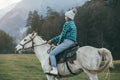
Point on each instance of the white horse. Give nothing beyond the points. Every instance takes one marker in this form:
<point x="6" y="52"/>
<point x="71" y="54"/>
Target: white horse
<point x="88" y="58"/>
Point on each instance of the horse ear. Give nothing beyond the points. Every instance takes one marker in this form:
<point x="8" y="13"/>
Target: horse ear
<point x="33" y="33"/>
<point x="36" y="33"/>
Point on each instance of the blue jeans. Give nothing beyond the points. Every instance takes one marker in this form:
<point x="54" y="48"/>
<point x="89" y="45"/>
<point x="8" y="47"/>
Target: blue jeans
<point x="64" y="45"/>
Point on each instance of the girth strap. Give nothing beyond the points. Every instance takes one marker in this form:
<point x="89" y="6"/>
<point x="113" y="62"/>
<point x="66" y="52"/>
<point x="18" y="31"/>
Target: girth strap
<point x="70" y="69"/>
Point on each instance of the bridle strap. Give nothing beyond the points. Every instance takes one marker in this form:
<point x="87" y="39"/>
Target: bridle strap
<point x="32" y="44"/>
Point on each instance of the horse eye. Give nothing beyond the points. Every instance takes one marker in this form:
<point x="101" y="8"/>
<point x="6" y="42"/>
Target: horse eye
<point x="25" y="39"/>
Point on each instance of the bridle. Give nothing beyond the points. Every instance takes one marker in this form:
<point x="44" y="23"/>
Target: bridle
<point x="33" y="44"/>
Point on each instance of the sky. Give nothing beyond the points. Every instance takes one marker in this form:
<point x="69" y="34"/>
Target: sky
<point x="6" y="3"/>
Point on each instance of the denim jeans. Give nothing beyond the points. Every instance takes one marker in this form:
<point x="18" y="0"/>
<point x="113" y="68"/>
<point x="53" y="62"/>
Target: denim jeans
<point x="64" y="45"/>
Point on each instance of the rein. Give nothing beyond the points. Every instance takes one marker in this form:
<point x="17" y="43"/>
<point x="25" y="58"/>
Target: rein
<point x="40" y="44"/>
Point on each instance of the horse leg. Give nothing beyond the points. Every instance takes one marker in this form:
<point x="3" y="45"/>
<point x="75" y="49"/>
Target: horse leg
<point x="52" y="77"/>
<point x="91" y="76"/>
<point x="49" y="77"/>
<point x="57" y="79"/>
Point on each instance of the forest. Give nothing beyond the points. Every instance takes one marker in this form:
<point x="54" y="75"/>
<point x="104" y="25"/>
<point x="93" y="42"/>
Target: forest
<point x="97" y="21"/>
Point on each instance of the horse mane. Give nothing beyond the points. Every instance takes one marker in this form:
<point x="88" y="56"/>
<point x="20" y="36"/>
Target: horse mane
<point x="40" y="38"/>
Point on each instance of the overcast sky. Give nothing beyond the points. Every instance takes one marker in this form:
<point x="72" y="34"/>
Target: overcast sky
<point x="6" y="3"/>
<point x="40" y="5"/>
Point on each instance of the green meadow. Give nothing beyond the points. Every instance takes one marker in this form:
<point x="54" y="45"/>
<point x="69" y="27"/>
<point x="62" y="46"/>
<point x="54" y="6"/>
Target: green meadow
<point x="28" y="67"/>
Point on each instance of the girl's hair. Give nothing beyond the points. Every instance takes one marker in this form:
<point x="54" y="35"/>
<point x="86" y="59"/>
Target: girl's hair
<point x="69" y="19"/>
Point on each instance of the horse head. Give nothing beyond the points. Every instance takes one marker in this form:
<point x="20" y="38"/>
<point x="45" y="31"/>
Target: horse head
<point x="26" y="43"/>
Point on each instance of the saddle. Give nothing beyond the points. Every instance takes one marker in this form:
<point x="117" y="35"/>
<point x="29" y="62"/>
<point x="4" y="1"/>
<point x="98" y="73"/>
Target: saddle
<point x="68" y="54"/>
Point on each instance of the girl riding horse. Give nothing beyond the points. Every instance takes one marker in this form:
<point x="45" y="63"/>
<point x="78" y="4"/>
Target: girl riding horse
<point x="64" y="40"/>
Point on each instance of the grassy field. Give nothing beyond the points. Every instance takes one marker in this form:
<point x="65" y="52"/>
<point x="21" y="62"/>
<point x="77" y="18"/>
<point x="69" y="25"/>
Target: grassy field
<point x="27" y="67"/>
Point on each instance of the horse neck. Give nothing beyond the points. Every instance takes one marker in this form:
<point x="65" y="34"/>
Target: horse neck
<point x="41" y="51"/>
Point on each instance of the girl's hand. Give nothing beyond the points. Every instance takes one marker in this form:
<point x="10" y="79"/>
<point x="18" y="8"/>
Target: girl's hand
<point x="57" y="44"/>
<point x="49" y="42"/>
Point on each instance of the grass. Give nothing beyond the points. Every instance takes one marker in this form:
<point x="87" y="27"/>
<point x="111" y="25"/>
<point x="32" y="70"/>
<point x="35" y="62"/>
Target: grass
<point x="27" y="67"/>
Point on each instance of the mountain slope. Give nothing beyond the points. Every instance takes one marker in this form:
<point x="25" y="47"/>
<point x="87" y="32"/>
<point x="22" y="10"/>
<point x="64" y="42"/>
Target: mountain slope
<point x="14" y="21"/>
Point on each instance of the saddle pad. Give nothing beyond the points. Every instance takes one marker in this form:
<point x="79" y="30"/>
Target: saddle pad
<point x="67" y="55"/>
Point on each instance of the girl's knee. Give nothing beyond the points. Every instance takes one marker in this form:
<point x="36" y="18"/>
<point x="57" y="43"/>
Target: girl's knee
<point x="52" y="54"/>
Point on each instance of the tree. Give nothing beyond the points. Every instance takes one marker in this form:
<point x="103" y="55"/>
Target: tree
<point x="29" y="20"/>
<point x="47" y="27"/>
<point x="35" y="21"/>
<point x="6" y="43"/>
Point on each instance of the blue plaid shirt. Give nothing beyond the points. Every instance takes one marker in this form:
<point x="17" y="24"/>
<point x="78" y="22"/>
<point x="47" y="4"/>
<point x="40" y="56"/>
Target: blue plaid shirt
<point x="69" y="32"/>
